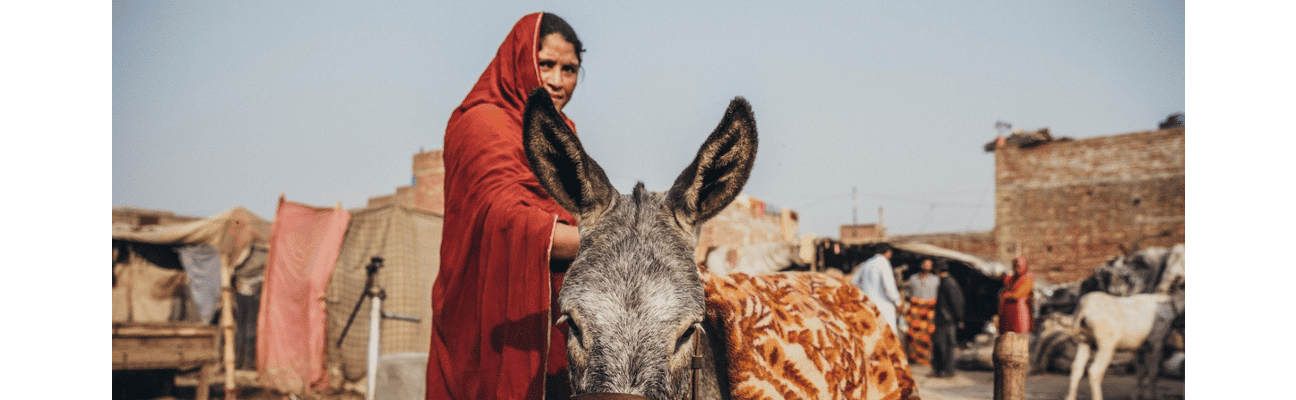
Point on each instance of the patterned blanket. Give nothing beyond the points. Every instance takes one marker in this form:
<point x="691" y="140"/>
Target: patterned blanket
<point x="805" y="336"/>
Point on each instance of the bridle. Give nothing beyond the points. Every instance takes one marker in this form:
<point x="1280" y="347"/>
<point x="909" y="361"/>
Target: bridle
<point x="695" y="363"/>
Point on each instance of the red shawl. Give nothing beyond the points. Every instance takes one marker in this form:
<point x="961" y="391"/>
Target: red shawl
<point x="493" y="334"/>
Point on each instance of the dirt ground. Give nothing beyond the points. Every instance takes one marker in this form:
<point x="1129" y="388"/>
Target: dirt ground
<point x="965" y="385"/>
<point x="979" y="385"/>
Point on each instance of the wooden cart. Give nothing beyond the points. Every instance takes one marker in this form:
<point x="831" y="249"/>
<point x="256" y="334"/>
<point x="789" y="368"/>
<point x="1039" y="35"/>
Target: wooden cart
<point x="176" y="346"/>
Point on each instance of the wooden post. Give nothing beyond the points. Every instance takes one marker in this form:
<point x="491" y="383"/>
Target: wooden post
<point x="203" y="382"/>
<point x="227" y="329"/>
<point x="1011" y="363"/>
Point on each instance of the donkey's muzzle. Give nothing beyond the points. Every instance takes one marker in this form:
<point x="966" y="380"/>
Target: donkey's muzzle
<point x="608" y="396"/>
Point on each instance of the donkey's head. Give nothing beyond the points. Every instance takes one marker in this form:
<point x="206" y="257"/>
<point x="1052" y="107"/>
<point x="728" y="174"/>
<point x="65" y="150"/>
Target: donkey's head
<point x="632" y="299"/>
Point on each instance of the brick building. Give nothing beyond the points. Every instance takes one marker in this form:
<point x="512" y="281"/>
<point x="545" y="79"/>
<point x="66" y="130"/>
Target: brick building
<point x="1068" y="206"/>
<point x="428" y="190"/>
<point x="748" y="221"/>
<point x="862" y="233"/>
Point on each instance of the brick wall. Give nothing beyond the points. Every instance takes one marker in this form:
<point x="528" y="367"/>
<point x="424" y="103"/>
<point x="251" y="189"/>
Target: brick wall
<point x="428" y="191"/>
<point x="1068" y="206"/>
<point x="854" y="234"/>
<point x="429" y="181"/>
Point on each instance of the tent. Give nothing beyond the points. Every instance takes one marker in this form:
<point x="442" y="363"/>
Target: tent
<point x="409" y="242"/>
<point x="980" y="279"/>
<point x="176" y="272"/>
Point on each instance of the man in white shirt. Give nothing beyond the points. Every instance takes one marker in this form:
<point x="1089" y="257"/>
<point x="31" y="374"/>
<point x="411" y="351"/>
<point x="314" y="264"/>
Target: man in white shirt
<point x="876" y="279"/>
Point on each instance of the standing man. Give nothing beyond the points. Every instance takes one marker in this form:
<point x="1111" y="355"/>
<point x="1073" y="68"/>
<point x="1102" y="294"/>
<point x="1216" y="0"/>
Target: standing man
<point x="949" y="317"/>
<point x="921" y="312"/>
<point x="876" y="279"/>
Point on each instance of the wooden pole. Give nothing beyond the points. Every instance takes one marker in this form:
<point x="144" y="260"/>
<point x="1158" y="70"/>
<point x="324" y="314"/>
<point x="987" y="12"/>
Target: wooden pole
<point x="1011" y="360"/>
<point x="203" y="382"/>
<point x="227" y="328"/>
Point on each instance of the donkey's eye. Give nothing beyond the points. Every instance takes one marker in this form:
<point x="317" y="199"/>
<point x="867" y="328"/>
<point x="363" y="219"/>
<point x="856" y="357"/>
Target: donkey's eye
<point x="572" y="330"/>
<point x="684" y="338"/>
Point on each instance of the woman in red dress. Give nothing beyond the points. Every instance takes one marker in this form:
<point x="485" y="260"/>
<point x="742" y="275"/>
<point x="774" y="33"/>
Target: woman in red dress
<point x="505" y="243"/>
<point x="1016" y="299"/>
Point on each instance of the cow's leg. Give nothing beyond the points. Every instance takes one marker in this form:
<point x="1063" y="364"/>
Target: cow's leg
<point x="1078" y="369"/>
<point x="1101" y="360"/>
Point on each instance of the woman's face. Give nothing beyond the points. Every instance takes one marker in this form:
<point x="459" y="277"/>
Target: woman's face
<point x="558" y="68"/>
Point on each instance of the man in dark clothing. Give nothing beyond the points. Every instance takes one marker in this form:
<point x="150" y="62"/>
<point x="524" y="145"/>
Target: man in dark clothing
<point x="949" y="317"/>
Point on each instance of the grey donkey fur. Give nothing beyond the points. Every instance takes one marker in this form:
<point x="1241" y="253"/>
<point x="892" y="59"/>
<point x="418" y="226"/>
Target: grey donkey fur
<point x="632" y="299"/>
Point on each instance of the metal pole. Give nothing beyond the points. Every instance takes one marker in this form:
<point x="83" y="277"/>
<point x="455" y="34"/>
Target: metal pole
<point x="375" y="318"/>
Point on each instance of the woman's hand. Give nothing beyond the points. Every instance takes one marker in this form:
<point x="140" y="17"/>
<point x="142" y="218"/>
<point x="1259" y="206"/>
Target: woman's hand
<point x="566" y="242"/>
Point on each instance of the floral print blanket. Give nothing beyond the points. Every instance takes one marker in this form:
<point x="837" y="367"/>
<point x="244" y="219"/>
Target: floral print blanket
<point x="805" y="336"/>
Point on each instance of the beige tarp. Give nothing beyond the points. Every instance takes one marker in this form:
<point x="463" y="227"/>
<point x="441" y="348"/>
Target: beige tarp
<point x="991" y="269"/>
<point x="409" y="241"/>
<point x="145" y="292"/>
<point x="232" y="233"/>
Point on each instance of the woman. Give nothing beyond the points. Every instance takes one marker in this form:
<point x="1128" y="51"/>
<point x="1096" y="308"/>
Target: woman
<point x="505" y="243"/>
<point x="1016" y="299"/>
<point x="921" y="311"/>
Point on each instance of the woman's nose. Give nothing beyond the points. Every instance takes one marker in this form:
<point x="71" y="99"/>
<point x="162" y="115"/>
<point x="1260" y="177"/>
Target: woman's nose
<point x="553" y="79"/>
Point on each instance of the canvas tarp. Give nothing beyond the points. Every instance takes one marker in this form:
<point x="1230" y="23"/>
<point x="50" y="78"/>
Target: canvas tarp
<point x="232" y="234"/>
<point x="147" y="284"/>
<point x="304" y="245"/>
<point x="409" y="242"/>
<point x="148" y="271"/>
<point x="991" y="269"/>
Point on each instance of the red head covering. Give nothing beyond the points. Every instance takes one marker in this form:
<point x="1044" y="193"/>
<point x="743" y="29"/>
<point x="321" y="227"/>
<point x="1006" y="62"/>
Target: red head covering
<point x="493" y="335"/>
<point x="511" y="75"/>
<point x="1019" y="260"/>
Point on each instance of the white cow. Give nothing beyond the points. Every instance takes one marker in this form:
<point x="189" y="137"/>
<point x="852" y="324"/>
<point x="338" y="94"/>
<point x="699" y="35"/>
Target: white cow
<point x="1109" y="323"/>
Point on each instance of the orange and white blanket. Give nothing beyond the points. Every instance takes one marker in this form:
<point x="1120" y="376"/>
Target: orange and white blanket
<point x="805" y="336"/>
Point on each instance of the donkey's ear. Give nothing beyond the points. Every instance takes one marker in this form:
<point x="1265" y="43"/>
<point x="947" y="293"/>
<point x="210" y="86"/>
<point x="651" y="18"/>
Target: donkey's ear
<point x="559" y="162"/>
<point x="720" y="170"/>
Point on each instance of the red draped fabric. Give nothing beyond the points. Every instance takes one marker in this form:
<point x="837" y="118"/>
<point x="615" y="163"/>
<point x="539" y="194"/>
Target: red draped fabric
<point x="304" y="245"/>
<point x="493" y="334"/>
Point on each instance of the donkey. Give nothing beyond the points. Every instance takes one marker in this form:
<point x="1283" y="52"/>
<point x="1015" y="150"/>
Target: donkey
<point x="1108" y="323"/>
<point x="633" y="300"/>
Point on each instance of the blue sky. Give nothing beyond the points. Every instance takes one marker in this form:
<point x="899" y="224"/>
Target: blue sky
<point x="222" y="104"/>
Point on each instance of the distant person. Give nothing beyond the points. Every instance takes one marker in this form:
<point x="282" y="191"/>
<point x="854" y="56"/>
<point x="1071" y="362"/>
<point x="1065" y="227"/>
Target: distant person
<point x="1016" y="299"/>
<point x="506" y="242"/>
<point x="922" y="308"/>
<point x="876" y="279"/>
<point x="949" y="318"/>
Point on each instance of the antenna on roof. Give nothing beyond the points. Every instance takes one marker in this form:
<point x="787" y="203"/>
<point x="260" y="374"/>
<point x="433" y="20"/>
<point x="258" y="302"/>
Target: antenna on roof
<point x="854" y="221"/>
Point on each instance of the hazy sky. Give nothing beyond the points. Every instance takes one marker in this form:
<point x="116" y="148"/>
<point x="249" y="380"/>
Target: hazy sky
<point x="222" y="104"/>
